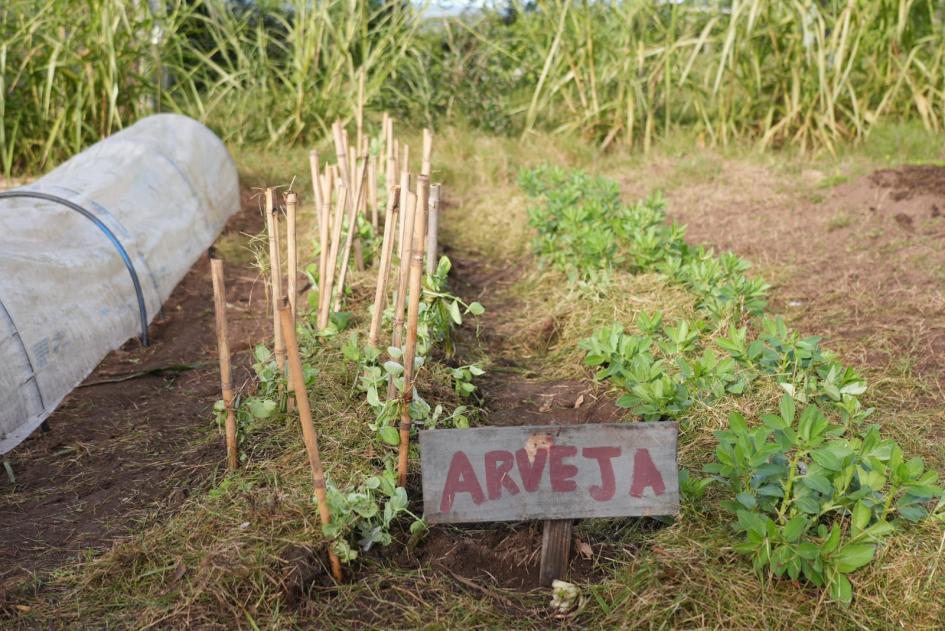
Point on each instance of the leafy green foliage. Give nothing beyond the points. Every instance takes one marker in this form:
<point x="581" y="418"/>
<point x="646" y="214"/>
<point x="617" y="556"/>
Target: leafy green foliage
<point x="367" y="514"/>
<point x="664" y="372"/>
<point x="812" y="500"/>
<point x="584" y="229"/>
<point x="814" y="491"/>
<point x="462" y="379"/>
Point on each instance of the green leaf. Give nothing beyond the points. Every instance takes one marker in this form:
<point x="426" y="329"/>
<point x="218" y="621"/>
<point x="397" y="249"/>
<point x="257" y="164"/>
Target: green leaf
<point x="737" y="422"/>
<point x="389" y="435"/>
<point x="912" y="513"/>
<point x="747" y="500"/>
<point x="794" y="528"/>
<point x="787" y="408"/>
<point x="372" y="398"/>
<point x="818" y="482"/>
<point x="454" y="312"/>
<point x="841" y="590"/>
<point x="853" y="556"/>
<point x="827" y="459"/>
<point x="860" y="518"/>
<point x="476" y="309"/>
<point x="261" y="408"/>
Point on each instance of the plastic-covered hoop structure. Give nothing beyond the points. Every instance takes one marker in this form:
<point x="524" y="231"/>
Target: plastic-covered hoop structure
<point x="90" y="252"/>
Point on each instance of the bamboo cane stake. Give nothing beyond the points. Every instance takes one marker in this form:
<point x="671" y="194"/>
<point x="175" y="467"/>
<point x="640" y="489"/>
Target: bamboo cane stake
<point x="316" y="186"/>
<point x="427" y="154"/>
<point x="352" y="230"/>
<point x="404" y="192"/>
<point x="413" y="314"/>
<point x="325" y="295"/>
<point x="400" y="298"/>
<point x="404" y="168"/>
<point x="396" y="157"/>
<point x="361" y="200"/>
<point x="433" y="222"/>
<point x="372" y="191"/>
<point x="308" y="429"/>
<point x="324" y="222"/>
<point x="383" y="270"/>
<point x="223" y="349"/>
<point x="292" y="264"/>
<point x="275" y="269"/>
<point x="360" y="113"/>
<point x="391" y="173"/>
<point x="292" y="270"/>
<point x="341" y="152"/>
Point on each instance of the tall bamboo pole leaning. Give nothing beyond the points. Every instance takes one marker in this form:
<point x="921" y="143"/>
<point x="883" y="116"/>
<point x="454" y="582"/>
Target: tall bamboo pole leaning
<point x="339" y="136"/>
<point x="308" y="429"/>
<point x="352" y="230"/>
<point x="275" y="269"/>
<point x="413" y="313"/>
<point x="325" y="292"/>
<point x="408" y="201"/>
<point x="223" y="349"/>
<point x="433" y="222"/>
<point x="292" y="271"/>
<point x="383" y="270"/>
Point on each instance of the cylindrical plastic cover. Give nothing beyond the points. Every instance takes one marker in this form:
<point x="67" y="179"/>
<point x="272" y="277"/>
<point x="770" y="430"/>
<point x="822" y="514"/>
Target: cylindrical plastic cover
<point x="164" y="187"/>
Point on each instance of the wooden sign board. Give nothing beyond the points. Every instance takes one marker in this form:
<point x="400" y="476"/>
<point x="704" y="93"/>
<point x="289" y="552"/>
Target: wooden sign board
<point x="549" y="472"/>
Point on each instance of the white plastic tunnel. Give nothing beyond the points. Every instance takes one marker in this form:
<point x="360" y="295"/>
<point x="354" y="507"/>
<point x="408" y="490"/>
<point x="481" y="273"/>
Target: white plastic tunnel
<point x="90" y="252"/>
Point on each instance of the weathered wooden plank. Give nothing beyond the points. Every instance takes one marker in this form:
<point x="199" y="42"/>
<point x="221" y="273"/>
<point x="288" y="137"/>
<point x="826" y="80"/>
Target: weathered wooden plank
<point x="555" y="551"/>
<point x="549" y="472"/>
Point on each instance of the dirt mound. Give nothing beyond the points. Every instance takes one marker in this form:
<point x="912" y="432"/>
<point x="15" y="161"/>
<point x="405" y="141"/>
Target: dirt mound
<point x="909" y="181"/>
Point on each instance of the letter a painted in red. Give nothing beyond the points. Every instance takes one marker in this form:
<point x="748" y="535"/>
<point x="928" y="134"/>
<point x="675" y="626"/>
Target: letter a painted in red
<point x="461" y="478"/>
<point x="645" y="474"/>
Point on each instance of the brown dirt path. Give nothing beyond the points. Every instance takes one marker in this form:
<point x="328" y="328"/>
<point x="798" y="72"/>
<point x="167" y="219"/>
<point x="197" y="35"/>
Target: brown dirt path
<point x="120" y="454"/>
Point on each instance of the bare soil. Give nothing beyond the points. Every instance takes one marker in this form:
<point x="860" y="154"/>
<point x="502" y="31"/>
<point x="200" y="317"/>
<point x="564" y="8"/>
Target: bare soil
<point x="861" y="264"/>
<point x="136" y="438"/>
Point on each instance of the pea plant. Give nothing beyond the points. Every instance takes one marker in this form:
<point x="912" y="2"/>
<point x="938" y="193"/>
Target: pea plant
<point x="363" y="517"/>
<point x="266" y="401"/>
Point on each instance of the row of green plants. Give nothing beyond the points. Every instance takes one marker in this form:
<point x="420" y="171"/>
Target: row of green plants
<point x="812" y="487"/>
<point x="807" y="73"/>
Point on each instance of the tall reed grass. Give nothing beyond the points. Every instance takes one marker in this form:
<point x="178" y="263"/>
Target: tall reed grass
<point x="74" y="72"/>
<point x="805" y="73"/>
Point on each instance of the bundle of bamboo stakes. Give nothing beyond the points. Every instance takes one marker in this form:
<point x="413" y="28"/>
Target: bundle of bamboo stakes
<point x="345" y="195"/>
<point x="406" y="234"/>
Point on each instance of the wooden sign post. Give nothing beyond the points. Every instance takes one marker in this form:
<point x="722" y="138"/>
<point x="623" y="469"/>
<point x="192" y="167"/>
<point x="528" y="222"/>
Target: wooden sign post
<point x="553" y="473"/>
